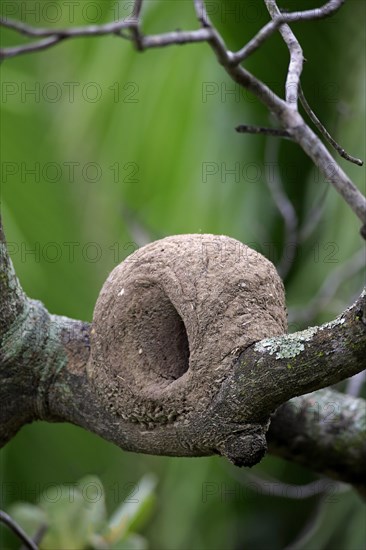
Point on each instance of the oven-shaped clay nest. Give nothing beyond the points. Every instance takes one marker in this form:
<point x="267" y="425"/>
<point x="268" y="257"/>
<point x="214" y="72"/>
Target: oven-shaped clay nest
<point x="168" y="324"/>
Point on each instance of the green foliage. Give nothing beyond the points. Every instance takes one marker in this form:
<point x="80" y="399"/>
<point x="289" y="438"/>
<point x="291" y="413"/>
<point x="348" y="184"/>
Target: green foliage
<point x="75" y="517"/>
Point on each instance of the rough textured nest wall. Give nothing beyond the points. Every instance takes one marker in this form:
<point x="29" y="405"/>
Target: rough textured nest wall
<point x="170" y="319"/>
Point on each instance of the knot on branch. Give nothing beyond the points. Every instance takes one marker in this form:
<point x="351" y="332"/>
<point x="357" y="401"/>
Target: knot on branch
<point x="169" y="323"/>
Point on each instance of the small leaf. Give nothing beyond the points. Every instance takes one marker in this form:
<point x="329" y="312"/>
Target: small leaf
<point x="75" y="513"/>
<point x="29" y="516"/>
<point x="130" y="514"/>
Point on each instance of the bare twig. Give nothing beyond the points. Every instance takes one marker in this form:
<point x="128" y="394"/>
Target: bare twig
<point x="39" y="45"/>
<point x="176" y="37"/>
<point x="307" y="15"/>
<point x="51" y="37"/>
<point x="325" y="132"/>
<point x="136" y="12"/>
<point x="17" y="530"/>
<point x="296" y="56"/>
<point x="55" y="36"/>
<point x="286" y="113"/>
<point x="275" y="132"/>
<point x="70" y="32"/>
<point x="201" y="13"/>
<point x="270" y="486"/>
<point x="38" y="536"/>
<point x="278" y="488"/>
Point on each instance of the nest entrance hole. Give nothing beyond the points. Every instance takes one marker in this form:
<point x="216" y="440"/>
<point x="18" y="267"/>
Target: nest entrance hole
<point x="163" y="352"/>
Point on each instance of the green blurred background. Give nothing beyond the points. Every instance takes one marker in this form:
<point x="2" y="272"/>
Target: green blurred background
<point x="105" y="149"/>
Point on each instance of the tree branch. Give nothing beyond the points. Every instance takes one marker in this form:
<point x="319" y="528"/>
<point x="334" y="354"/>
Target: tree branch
<point x="326" y="429"/>
<point x="285" y="112"/>
<point x="278" y="20"/>
<point x="48" y="362"/>
<point x="18" y="531"/>
<point x="297" y="430"/>
<point x="46" y="368"/>
<point x="13" y="299"/>
<point x="273" y="132"/>
<point x="325" y="132"/>
<point x="296" y="56"/>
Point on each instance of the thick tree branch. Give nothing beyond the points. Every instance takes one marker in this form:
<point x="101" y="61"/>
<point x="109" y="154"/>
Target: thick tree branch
<point x="297" y="430"/>
<point x="45" y="371"/>
<point x="322" y="424"/>
<point x="13" y="299"/>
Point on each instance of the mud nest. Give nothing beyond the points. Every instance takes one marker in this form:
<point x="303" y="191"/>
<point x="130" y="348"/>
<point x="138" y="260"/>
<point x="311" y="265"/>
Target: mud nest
<point x="171" y="318"/>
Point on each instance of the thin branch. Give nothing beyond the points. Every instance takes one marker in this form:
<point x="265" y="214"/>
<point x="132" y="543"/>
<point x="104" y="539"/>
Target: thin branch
<point x="39" y="45"/>
<point x="137" y="7"/>
<point x="139" y="231"/>
<point x="296" y="56"/>
<point x="293" y="17"/>
<point x="240" y="75"/>
<point x="273" y="487"/>
<point x="201" y="13"/>
<point x="285" y="111"/>
<point x="18" y="531"/>
<point x="69" y="32"/>
<point x="280" y="489"/>
<point x="135" y="30"/>
<point x="55" y="36"/>
<point x="325" y="132"/>
<point x="37" y="538"/>
<point x="275" y="132"/>
<point x="287" y="115"/>
<point x="175" y="37"/>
